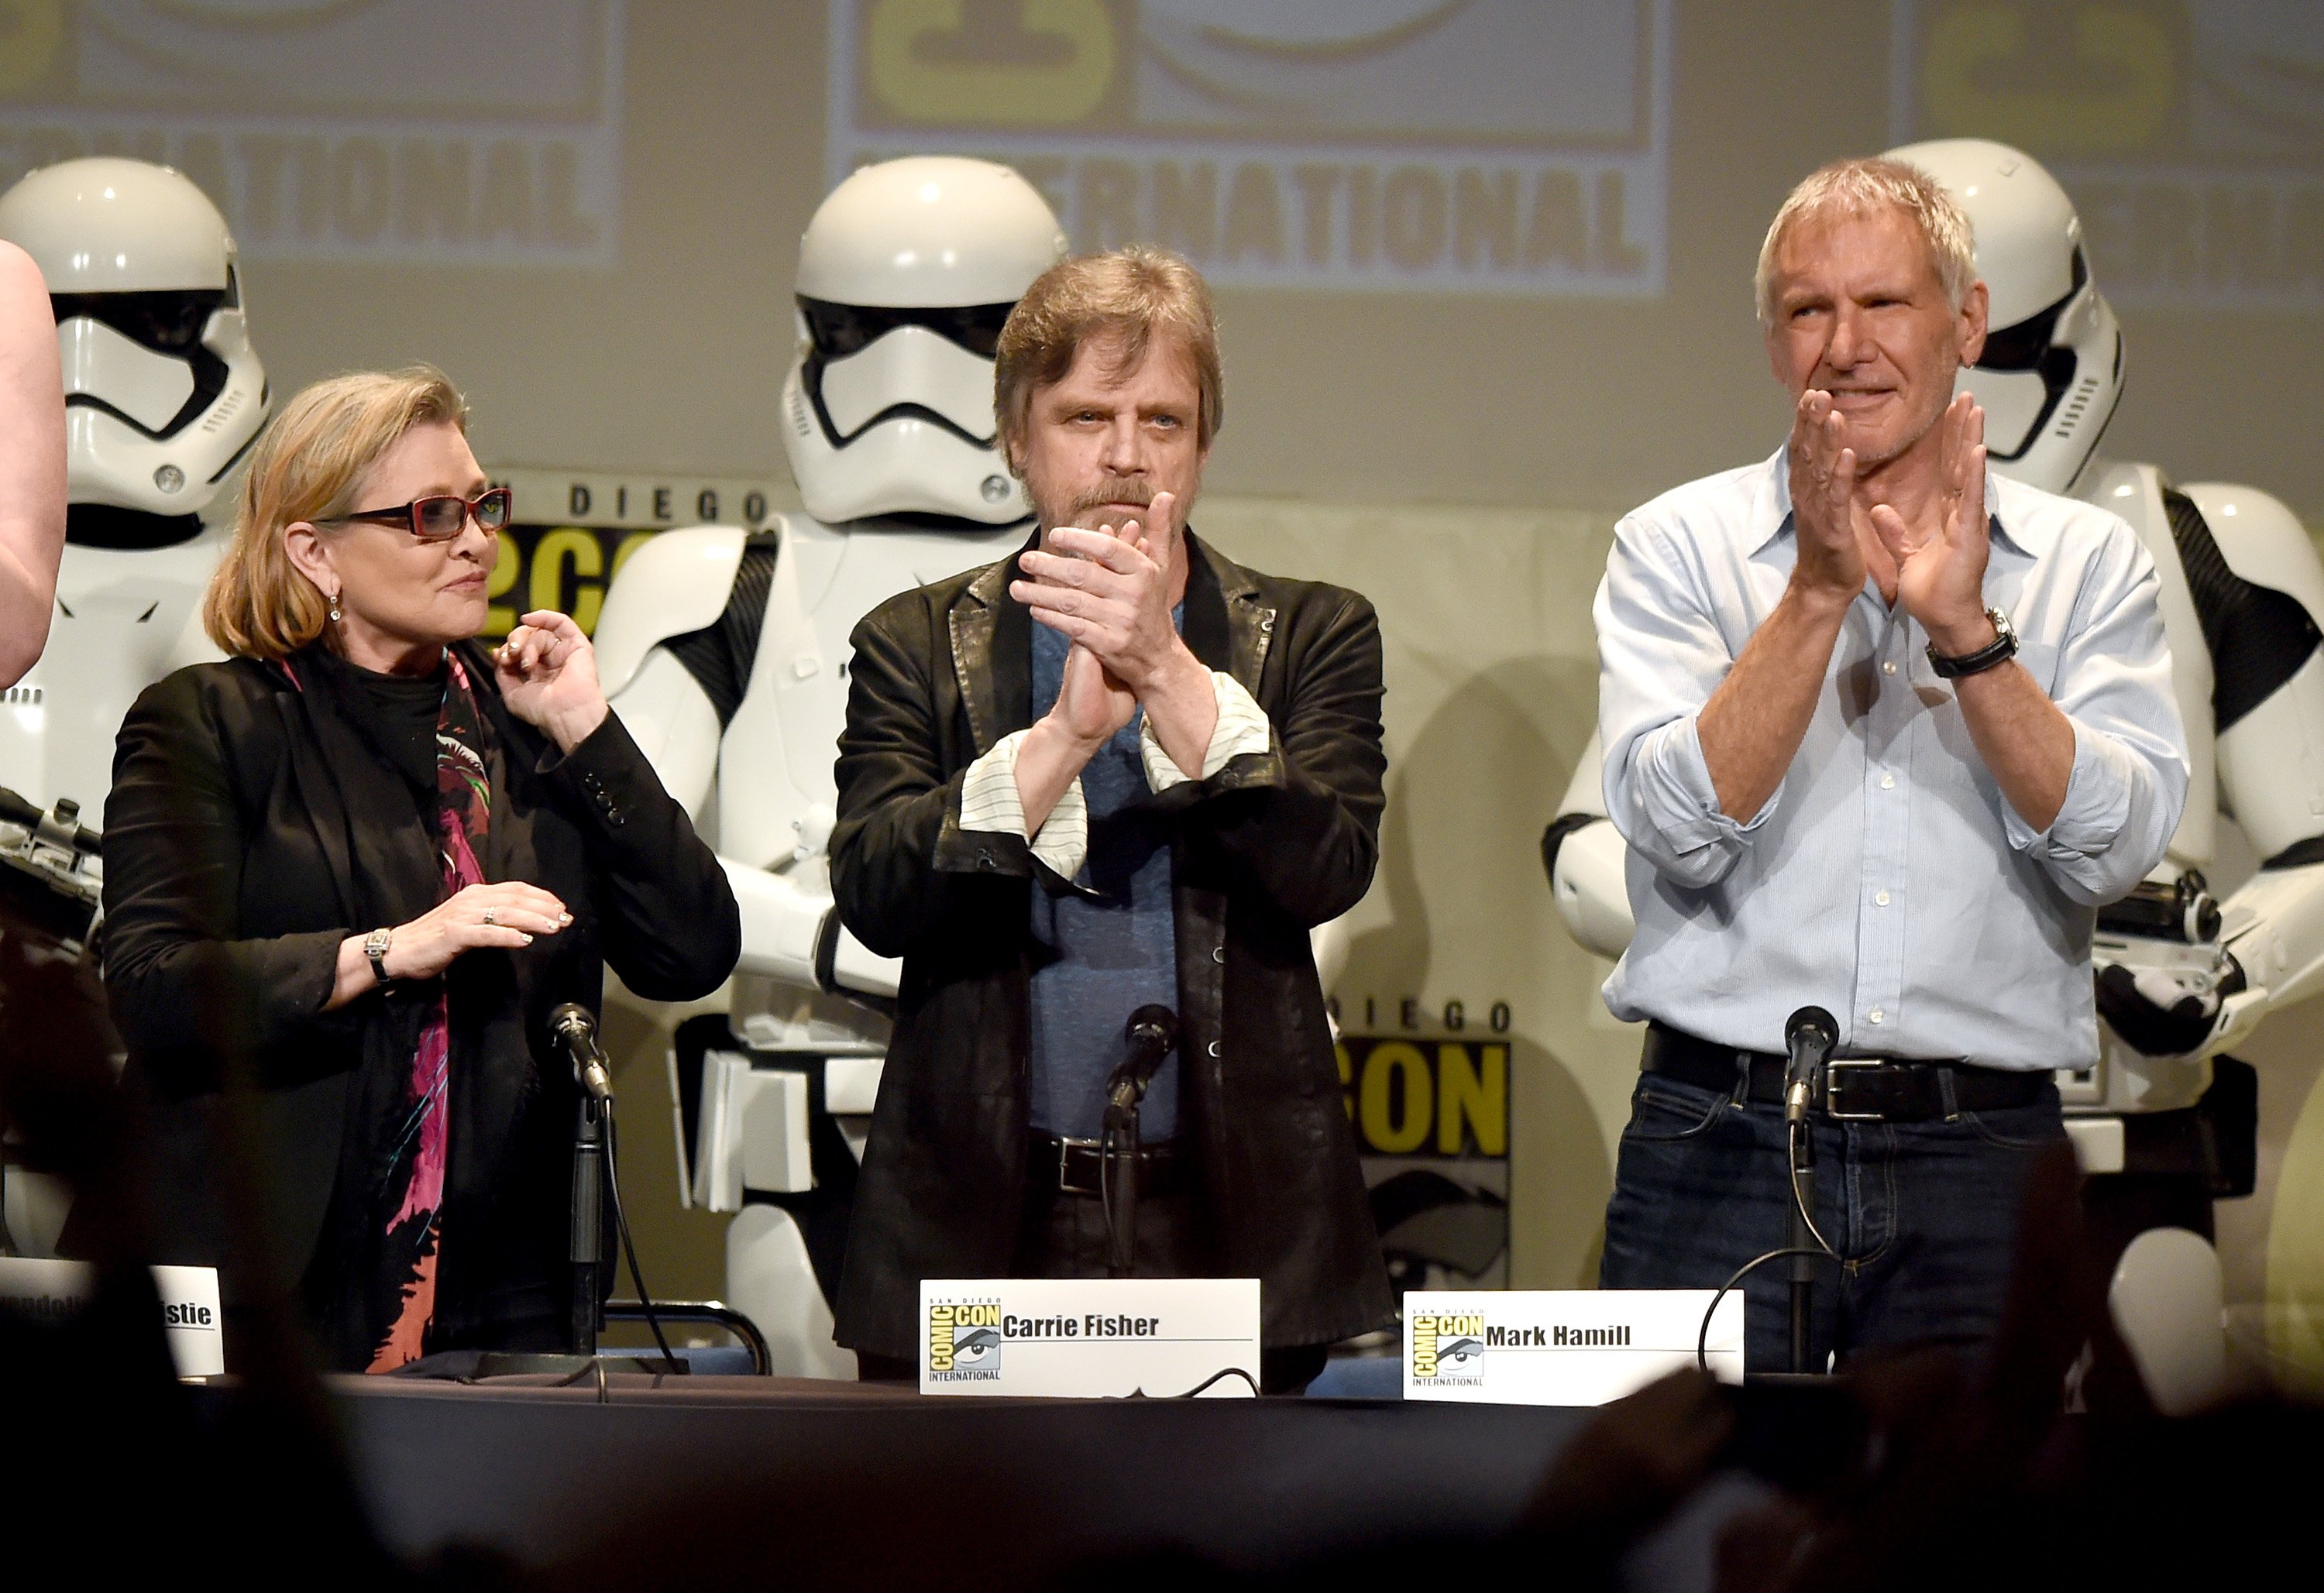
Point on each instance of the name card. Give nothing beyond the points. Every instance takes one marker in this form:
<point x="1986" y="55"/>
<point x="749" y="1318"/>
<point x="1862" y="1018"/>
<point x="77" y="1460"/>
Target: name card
<point x="1561" y="1346"/>
<point x="1097" y="1338"/>
<point x="53" y="1291"/>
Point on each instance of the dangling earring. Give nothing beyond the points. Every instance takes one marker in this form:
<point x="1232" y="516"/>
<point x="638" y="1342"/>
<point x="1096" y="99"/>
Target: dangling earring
<point x="335" y="608"/>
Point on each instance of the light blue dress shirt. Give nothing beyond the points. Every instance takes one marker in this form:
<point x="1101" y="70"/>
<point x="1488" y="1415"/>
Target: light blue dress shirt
<point x="1887" y="879"/>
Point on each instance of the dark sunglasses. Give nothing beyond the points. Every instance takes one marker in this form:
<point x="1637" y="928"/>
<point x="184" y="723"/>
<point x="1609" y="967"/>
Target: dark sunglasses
<point x="442" y="517"/>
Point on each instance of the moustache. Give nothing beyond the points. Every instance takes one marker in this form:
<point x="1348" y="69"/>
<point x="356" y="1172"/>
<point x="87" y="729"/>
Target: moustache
<point x="1113" y="490"/>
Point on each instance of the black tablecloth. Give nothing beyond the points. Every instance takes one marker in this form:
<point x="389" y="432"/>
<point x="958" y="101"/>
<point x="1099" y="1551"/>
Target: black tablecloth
<point x="822" y="1474"/>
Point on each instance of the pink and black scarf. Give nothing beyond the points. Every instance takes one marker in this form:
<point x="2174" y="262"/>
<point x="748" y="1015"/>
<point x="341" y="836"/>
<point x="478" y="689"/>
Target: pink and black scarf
<point x="412" y="1243"/>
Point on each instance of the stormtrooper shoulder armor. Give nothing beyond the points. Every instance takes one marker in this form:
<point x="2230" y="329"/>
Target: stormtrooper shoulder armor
<point x="2262" y="542"/>
<point x="2259" y="591"/>
<point x="700" y="592"/>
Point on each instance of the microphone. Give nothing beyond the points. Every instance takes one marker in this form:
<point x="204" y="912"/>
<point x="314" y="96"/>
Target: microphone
<point x="1152" y="1033"/>
<point x="1809" y="1035"/>
<point x="1152" y="1027"/>
<point x="576" y="1027"/>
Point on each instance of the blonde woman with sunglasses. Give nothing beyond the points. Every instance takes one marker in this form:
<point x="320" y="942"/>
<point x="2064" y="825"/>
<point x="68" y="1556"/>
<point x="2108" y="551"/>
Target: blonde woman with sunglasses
<point x="353" y="868"/>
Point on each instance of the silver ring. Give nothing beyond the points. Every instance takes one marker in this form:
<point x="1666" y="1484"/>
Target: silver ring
<point x="488" y="916"/>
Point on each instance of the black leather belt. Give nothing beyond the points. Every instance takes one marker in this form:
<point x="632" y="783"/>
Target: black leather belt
<point x="1073" y="1167"/>
<point x="1849" y="1089"/>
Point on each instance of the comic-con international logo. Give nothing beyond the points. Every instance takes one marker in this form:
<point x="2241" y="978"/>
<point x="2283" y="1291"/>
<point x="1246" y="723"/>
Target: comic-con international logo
<point x="964" y="1341"/>
<point x="1449" y="1350"/>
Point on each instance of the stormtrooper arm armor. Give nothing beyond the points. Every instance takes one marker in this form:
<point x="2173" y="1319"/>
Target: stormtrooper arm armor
<point x="2259" y="591"/>
<point x="2271" y="756"/>
<point x="1588" y="862"/>
<point x="792" y="933"/>
<point x="674" y="646"/>
<point x="676" y="587"/>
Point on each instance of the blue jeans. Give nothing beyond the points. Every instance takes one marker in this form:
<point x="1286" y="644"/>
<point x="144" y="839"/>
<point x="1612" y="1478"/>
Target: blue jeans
<point x="1925" y="1214"/>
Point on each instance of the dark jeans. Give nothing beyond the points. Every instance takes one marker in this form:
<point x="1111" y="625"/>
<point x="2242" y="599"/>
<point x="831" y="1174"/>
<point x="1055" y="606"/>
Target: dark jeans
<point x="1065" y="1236"/>
<point x="1925" y="1214"/>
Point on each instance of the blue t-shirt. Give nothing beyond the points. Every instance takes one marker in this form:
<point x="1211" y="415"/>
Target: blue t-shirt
<point x="1108" y="957"/>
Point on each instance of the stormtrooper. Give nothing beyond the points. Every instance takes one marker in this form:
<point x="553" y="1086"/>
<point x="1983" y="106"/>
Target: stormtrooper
<point x="2165" y="1122"/>
<point x="726" y="653"/>
<point x="163" y="394"/>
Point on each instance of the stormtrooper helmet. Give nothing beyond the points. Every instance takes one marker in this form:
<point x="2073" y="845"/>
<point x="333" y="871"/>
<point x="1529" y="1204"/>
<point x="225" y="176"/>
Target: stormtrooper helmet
<point x="2051" y="372"/>
<point x="906" y="273"/>
<point x="163" y="392"/>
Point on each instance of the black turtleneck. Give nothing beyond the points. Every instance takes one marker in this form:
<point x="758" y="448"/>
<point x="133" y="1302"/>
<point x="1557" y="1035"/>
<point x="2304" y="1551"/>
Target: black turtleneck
<point x="398" y="715"/>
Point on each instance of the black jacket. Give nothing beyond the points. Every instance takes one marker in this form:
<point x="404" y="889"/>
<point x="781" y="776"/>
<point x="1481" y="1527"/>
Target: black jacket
<point x="1270" y="846"/>
<point x="254" y="824"/>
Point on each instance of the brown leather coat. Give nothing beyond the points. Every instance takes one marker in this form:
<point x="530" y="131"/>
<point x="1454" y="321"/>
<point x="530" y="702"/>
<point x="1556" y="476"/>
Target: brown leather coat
<point x="1269" y="847"/>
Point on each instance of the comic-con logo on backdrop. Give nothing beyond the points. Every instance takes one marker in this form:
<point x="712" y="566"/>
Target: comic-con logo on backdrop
<point x="1514" y="146"/>
<point x="963" y="1340"/>
<point x="1432" y="1121"/>
<point x="2189" y="134"/>
<point x="340" y="129"/>
<point x="574" y="530"/>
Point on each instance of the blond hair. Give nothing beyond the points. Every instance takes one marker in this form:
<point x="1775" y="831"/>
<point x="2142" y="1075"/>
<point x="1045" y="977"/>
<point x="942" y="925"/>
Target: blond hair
<point x="1123" y="297"/>
<point x="1855" y="187"/>
<point x="308" y="467"/>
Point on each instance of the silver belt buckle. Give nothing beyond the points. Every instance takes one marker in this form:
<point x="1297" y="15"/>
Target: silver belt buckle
<point x="1066" y="1148"/>
<point x="1831" y="1091"/>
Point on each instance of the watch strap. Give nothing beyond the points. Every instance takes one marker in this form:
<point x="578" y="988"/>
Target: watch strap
<point x="2000" y="651"/>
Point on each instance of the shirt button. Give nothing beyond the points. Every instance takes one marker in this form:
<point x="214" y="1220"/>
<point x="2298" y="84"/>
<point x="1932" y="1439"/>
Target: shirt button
<point x="1218" y="953"/>
<point x="1876" y="1014"/>
<point x="1214" y="1047"/>
<point x="1887" y="666"/>
<point x="1888" y="782"/>
<point x="1881" y="898"/>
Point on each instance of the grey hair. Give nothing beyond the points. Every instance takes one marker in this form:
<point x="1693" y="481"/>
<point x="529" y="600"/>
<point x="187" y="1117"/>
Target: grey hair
<point x="1855" y="186"/>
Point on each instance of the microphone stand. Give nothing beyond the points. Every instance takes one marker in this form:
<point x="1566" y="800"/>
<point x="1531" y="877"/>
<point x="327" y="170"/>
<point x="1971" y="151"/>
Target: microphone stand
<point x="586" y="1247"/>
<point x="1152" y="1031"/>
<point x="1810" y="1036"/>
<point x="576" y="1030"/>
<point x="1802" y="1241"/>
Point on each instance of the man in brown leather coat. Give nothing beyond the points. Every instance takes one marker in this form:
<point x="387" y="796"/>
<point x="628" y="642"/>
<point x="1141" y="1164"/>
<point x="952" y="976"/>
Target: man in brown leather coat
<point x="1114" y="771"/>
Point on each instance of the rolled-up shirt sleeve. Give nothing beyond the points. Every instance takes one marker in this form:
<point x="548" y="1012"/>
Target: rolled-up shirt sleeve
<point x="1660" y="656"/>
<point x="2129" y="780"/>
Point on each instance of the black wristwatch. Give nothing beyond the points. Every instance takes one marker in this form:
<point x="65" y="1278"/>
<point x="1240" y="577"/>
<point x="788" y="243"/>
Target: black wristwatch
<point x="2000" y="651"/>
<point x="375" y="947"/>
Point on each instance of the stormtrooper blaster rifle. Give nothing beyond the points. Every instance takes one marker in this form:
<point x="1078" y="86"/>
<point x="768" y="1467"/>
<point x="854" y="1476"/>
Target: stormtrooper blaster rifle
<point x="2163" y="974"/>
<point x="52" y="875"/>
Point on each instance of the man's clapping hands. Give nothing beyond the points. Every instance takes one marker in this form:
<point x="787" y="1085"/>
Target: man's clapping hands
<point x="1108" y="592"/>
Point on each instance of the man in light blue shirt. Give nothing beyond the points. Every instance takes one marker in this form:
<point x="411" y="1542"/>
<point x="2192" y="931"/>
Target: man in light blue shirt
<point x="1882" y="732"/>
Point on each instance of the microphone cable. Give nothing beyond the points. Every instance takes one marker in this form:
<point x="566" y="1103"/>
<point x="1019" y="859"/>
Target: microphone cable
<point x="1799" y="1195"/>
<point x="1702" y="1336"/>
<point x="622" y="1225"/>
<point x="1821" y="1247"/>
